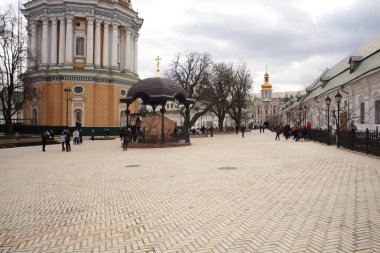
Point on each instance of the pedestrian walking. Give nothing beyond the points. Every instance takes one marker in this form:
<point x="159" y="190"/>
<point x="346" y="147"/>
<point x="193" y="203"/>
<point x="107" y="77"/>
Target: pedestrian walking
<point x="62" y="139"/>
<point x="76" y="137"/>
<point x="67" y="141"/>
<point x="80" y="136"/>
<point x="211" y="131"/>
<point x="92" y="134"/>
<point x="237" y="129"/>
<point x="242" y="131"/>
<point x="44" y="138"/>
<point x="278" y="131"/>
<point x="127" y="137"/>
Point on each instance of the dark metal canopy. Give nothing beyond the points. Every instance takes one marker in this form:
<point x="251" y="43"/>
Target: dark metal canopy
<point x="155" y="91"/>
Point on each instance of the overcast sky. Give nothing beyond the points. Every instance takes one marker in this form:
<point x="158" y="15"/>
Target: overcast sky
<point x="297" y="39"/>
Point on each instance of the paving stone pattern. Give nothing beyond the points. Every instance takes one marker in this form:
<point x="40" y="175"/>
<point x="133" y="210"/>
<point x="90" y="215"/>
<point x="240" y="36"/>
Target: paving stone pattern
<point x="283" y="196"/>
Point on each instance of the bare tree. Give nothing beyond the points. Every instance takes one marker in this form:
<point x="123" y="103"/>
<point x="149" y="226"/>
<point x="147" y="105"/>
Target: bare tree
<point x="240" y="92"/>
<point x="13" y="55"/>
<point x="191" y="71"/>
<point x="219" y="90"/>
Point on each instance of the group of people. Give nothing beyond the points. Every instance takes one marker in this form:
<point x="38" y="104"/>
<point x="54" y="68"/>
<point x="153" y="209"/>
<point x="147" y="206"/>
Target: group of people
<point x="297" y="131"/>
<point x="64" y="139"/>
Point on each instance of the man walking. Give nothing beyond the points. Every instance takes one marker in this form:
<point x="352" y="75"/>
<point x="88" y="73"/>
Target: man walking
<point x="278" y="131"/>
<point x="44" y="139"/>
<point x="67" y="140"/>
<point x="242" y="131"/>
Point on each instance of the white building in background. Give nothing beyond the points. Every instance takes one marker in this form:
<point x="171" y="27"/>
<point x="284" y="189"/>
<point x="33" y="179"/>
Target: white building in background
<point x="357" y="79"/>
<point x="265" y="110"/>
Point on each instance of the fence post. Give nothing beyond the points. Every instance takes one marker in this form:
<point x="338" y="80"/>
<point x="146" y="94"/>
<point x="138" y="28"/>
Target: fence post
<point x="367" y="140"/>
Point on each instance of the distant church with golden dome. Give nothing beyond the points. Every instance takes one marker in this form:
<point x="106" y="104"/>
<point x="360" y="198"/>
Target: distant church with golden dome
<point x="85" y="58"/>
<point x="266" y="108"/>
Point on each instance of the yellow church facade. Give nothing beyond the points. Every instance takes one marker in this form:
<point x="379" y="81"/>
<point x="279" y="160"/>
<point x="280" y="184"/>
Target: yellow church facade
<point x="83" y="60"/>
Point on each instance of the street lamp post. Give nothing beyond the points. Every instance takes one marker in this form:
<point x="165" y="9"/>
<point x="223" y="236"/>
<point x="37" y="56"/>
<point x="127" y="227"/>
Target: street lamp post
<point x="328" y="101"/>
<point x="305" y="110"/>
<point x="67" y="92"/>
<point x="300" y="110"/>
<point x="338" y="99"/>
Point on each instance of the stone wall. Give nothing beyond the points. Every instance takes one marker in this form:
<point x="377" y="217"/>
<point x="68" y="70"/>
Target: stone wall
<point x="152" y="124"/>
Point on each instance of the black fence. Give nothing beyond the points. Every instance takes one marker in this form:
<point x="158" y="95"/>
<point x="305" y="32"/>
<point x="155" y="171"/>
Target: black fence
<point x="37" y="130"/>
<point x="362" y="141"/>
<point x="156" y="139"/>
<point x="367" y="141"/>
<point x="321" y="135"/>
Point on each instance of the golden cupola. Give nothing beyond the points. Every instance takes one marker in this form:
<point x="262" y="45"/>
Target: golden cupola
<point x="266" y="85"/>
<point x="266" y="88"/>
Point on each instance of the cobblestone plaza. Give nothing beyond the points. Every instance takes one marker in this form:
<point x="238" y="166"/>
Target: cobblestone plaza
<point x="221" y="194"/>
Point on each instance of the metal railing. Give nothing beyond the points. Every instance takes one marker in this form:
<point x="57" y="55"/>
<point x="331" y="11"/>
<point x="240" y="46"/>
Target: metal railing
<point x="362" y="141"/>
<point x="320" y="135"/>
<point x="367" y="141"/>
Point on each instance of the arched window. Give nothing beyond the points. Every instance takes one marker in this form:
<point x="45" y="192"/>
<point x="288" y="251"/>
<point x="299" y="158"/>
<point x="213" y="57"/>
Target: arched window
<point x="78" y="118"/>
<point x="377" y="112"/>
<point x="123" y="118"/>
<point x="79" y="46"/>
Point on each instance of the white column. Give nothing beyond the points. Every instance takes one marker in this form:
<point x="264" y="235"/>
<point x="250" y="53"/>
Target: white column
<point x="90" y="43"/>
<point x="135" y="53"/>
<point x="33" y="44"/>
<point x="97" y="43"/>
<point x="45" y="43"/>
<point x="105" y="43"/>
<point x="62" y="40"/>
<point x="127" y="55"/>
<point x="54" y="41"/>
<point x="115" y="27"/>
<point x="69" y="41"/>
<point x="131" y="50"/>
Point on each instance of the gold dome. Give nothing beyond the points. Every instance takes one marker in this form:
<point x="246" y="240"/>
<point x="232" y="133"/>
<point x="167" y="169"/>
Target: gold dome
<point x="266" y="85"/>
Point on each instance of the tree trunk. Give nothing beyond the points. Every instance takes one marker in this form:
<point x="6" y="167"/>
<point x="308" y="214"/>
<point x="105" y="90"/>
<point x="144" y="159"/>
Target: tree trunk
<point x="239" y="117"/>
<point x="220" y="123"/>
<point x="10" y="130"/>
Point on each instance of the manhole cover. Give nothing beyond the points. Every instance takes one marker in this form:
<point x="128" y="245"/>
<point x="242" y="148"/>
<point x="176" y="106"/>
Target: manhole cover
<point x="132" y="166"/>
<point x="227" y="168"/>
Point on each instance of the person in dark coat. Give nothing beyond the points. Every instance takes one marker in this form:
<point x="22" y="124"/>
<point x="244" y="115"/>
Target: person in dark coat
<point x="68" y="139"/>
<point x="242" y="130"/>
<point x="44" y="138"/>
<point x="278" y="131"/>
<point x="127" y="137"/>
<point x="287" y="131"/>
<point x="80" y="136"/>
<point x="92" y="134"/>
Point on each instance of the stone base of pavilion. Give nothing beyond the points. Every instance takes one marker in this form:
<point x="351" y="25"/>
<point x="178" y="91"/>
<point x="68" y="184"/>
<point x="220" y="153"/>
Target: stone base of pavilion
<point x="158" y="145"/>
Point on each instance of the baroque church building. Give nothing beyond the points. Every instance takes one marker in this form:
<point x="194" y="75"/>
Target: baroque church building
<point x="84" y="58"/>
<point x="266" y="108"/>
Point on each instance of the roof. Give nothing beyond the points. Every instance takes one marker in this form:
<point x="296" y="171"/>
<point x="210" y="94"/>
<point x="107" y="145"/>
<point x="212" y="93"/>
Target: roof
<point x="368" y="55"/>
<point x="157" y="90"/>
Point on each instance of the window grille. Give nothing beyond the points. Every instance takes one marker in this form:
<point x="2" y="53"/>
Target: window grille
<point x="79" y="46"/>
<point x="377" y="112"/>
<point x="362" y="111"/>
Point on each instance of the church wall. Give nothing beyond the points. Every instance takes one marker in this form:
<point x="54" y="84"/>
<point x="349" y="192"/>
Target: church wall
<point x="100" y="101"/>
